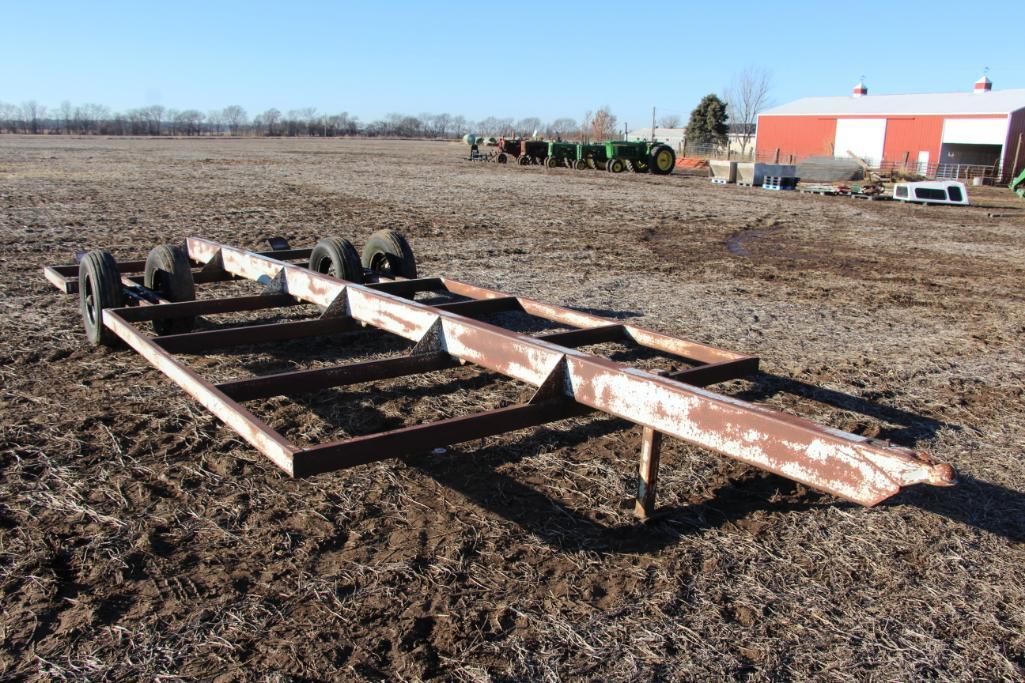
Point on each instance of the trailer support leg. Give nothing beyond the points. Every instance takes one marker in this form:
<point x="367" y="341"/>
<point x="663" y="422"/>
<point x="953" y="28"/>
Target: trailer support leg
<point x="651" y="447"/>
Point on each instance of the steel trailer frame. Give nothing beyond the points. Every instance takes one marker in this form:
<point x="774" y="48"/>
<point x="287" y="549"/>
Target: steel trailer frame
<point x="568" y="381"/>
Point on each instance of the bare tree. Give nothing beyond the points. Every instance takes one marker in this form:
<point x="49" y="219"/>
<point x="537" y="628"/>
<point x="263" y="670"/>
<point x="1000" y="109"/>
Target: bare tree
<point x="269" y="121"/>
<point x="527" y="126"/>
<point x="442" y="124"/>
<point x="564" y="127"/>
<point x="8" y="118"/>
<point x="234" y="117"/>
<point x="670" y="121"/>
<point x="65" y="117"/>
<point x="153" y="116"/>
<point x="600" y="125"/>
<point x="746" y="97"/>
<point x="31" y="113"/>
<point x="187" y="122"/>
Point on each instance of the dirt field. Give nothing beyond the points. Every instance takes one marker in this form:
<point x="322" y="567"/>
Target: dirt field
<point x="139" y="537"/>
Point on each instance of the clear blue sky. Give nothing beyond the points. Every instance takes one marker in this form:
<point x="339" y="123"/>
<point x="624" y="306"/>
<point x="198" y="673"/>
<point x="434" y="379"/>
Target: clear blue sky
<point x="511" y="59"/>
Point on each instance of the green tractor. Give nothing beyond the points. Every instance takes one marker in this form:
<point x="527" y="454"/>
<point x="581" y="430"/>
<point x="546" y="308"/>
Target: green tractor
<point x="590" y="156"/>
<point x="640" y="157"/>
<point x="561" y="154"/>
<point x="1018" y="184"/>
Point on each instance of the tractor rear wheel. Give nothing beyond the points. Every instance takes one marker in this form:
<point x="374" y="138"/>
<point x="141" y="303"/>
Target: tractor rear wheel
<point x="388" y="253"/>
<point x="616" y="166"/>
<point x="638" y="166"/>
<point x="662" y="160"/>
<point x="551" y="162"/>
<point x="501" y="158"/>
<point x="169" y="274"/>
<point x="524" y="161"/>
<point x="580" y="164"/>
<point x="99" y="287"/>
<point x="335" y="256"/>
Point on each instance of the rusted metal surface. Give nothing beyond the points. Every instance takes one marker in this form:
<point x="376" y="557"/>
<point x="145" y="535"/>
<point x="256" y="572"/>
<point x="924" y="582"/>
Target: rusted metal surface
<point x="300" y="381"/>
<point x="248" y="426"/>
<point x="846" y="465"/>
<point x="197" y="342"/>
<point x="647" y="472"/>
<point x="569" y="381"/>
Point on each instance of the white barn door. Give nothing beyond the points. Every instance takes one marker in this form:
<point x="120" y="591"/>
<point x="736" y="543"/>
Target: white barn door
<point x="864" y="137"/>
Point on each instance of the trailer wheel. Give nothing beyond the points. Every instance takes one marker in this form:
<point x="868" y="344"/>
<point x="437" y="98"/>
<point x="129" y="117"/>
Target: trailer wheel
<point x="616" y="166"/>
<point x="169" y="274"/>
<point x="335" y="256"/>
<point x="388" y="253"/>
<point x="99" y="287"/>
<point x="663" y="159"/>
<point x="502" y="158"/>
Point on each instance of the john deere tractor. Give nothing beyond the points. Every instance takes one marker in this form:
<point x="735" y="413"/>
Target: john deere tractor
<point x="561" y="154"/>
<point x="640" y="157"/>
<point x="590" y="156"/>
<point x="1018" y="184"/>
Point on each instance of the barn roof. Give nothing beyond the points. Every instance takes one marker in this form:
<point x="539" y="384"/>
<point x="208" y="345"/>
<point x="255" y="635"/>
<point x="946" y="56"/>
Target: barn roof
<point x="994" y="102"/>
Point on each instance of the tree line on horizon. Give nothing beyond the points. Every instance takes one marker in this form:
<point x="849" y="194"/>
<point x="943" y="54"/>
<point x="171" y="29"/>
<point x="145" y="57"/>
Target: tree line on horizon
<point x="740" y="104"/>
<point x="95" y="119"/>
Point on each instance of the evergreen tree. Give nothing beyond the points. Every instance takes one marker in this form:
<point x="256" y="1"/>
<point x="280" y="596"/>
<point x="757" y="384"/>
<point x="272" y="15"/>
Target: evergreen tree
<point x="707" y="123"/>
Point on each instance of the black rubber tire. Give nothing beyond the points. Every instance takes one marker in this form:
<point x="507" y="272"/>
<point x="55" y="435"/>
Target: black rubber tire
<point x="638" y="167"/>
<point x="662" y="161"/>
<point x="169" y="274"/>
<point x="501" y="158"/>
<point x="580" y="164"/>
<point x="550" y="162"/>
<point x="524" y="161"/>
<point x="335" y="256"/>
<point x="388" y="253"/>
<point x="99" y="287"/>
<point x="616" y="166"/>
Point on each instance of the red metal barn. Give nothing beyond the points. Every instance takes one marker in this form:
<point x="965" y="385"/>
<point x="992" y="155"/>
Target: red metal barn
<point x="936" y="133"/>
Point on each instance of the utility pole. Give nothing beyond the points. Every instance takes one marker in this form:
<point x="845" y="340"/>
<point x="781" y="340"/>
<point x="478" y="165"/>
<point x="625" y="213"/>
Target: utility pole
<point x="653" y="124"/>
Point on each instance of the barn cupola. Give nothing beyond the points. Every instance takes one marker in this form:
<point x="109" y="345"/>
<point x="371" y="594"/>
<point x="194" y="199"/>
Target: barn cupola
<point x="983" y="85"/>
<point x="860" y="90"/>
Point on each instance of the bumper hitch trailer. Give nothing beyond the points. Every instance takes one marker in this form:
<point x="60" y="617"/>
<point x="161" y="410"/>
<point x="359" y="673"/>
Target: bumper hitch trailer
<point x="568" y="381"/>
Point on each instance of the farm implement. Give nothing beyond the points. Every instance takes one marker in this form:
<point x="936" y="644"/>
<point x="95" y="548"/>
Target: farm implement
<point x="151" y="306"/>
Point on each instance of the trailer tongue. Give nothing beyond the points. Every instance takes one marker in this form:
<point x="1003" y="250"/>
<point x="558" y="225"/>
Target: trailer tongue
<point x="567" y="381"/>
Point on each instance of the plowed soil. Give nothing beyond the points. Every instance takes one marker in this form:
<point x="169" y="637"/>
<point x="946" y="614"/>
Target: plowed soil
<point x="140" y="538"/>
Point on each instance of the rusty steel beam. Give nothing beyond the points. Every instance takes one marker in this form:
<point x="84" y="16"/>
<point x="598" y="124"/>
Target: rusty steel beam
<point x="647" y="338"/>
<point x="585" y="337"/>
<point x="181" y="309"/>
<point x="301" y="381"/>
<point x="403" y="287"/>
<point x="713" y="373"/>
<point x="475" y="307"/>
<point x="849" y="466"/>
<point x="361" y="450"/>
<point x="257" y="433"/>
<point x="196" y="342"/>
